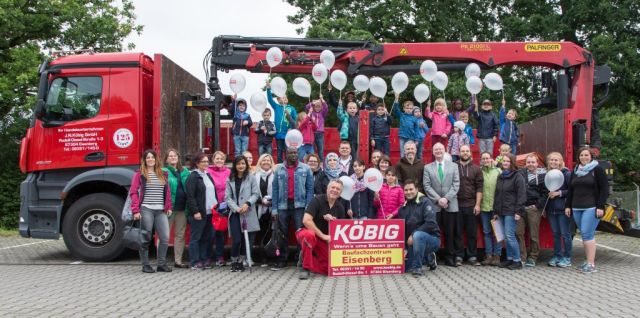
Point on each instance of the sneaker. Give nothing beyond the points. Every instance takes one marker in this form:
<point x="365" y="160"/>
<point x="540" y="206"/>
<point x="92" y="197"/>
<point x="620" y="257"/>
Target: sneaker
<point x="304" y="274"/>
<point x="458" y="262"/>
<point x="197" y="265"/>
<point x="240" y="267"/>
<point x="417" y="272"/>
<point x="505" y="264"/>
<point x="148" y="269"/>
<point x="515" y="265"/>
<point x="495" y="261"/>
<point x="487" y="260"/>
<point x="589" y="268"/>
<point x="582" y="266"/>
<point x="220" y="262"/>
<point x="207" y="264"/>
<point x="530" y="263"/>
<point x="434" y="263"/>
<point x="564" y="262"/>
<point x="474" y="261"/>
<point x="164" y="269"/>
<point x="234" y="267"/>
<point x="279" y="266"/>
<point x="553" y="262"/>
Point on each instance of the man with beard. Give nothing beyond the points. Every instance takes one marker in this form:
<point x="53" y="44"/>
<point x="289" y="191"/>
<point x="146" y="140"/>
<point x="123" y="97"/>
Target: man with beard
<point x="314" y="238"/>
<point x="292" y="188"/>
<point x="409" y="167"/>
<point x="469" y="199"/>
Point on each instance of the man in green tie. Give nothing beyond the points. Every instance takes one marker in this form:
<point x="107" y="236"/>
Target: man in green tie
<point x="441" y="181"/>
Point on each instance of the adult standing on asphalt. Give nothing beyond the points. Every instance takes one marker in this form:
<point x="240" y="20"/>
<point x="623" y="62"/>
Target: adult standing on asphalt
<point x="588" y="192"/>
<point x="469" y="200"/>
<point x="490" y="173"/>
<point x="264" y="180"/>
<point x="177" y="177"/>
<point x="536" y="198"/>
<point x="559" y="221"/>
<point x="313" y="238"/>
<point x="220" y="174"/>
<point x="410" y="167"/>
<point x="509" y="206"/>
<point x="422" y="234"/>
<point x="441" y="184"/>
<point x="201" y="200"/>
<point x="151" y="204"/>
<point x="292" y="191"/>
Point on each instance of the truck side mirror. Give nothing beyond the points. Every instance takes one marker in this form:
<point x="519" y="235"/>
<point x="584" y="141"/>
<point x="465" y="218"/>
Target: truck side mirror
<point x="40" y="110"/>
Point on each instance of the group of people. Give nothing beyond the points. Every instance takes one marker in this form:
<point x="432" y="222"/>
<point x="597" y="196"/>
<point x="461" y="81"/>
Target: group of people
<point x="446" y="195"/>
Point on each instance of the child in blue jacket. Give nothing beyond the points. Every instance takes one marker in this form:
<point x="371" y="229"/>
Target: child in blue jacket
<point x="241" y="125"/>
<point x="421" y="130"/>
<point x="350" y="126"/>
<point x="408" y="121"/>
<point x="285" y="119"/>
<point x="509" y="133"/>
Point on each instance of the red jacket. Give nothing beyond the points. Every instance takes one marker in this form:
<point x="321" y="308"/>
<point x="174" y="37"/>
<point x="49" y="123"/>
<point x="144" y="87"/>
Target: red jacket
<point x="392" y="199"/>
<point x="308" y="127"/>
<point x="138" y="186"/>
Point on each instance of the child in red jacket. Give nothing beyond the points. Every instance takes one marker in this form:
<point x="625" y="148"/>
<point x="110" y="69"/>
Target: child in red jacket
<point x="390" y="198"/>
<point x="307" y="127"/>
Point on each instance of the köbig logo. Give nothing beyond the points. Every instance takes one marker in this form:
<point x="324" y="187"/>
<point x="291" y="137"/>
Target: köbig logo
<point x="367" y="231"/>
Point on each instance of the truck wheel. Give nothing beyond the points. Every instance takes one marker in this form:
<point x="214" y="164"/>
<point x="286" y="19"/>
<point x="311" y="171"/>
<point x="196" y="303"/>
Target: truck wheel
<point x="92" y="228"/>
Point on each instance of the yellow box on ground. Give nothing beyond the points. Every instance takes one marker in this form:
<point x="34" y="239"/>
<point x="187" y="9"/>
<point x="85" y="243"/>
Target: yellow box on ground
<point x="366" y="257"/>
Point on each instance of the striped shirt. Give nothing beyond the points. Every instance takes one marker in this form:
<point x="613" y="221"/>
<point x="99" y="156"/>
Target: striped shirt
<point x="154" y="193"/>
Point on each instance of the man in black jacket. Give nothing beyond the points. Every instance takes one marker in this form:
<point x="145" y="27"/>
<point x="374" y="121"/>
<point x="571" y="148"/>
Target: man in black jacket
<point x="536" y="197"/>
<point x="422" y="233"/>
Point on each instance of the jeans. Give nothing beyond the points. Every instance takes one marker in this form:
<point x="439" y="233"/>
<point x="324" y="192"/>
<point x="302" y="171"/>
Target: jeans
<point x="470" y="228"/>
<point x="423" y="244"/>
<point x="561" y="234"/>
<point x="304" y="150"/>
<point x="262" y="149"/>
<point x="587" y="222"/>
<point x="240" y="144"/>
<point x="486" y="145"/>
<point x="491" y="247"/>
<point x="284" y="217"/>
<point x="382" y="144"/>
<point x="179" y="222"/>
<point x="238" y="244"/>
<point x="281" y="150"/>
<point x="514" y="148"/>
<point x="354" y="149"/>
<point x="217" y="239"/>
<point x="200" y="239"/>
<point x="420" y="149"/>
<point x="513" y="249"/>
<point x="158" y="219"/>
<point x="318" y="141"/>
<point x="402" y="142"/>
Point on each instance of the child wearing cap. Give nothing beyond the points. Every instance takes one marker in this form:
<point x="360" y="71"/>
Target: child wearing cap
<point x="457" y="139"/>
<point x="241" y="124"/>
<point x="488" y="124"/>
<point x="407" y="131"/>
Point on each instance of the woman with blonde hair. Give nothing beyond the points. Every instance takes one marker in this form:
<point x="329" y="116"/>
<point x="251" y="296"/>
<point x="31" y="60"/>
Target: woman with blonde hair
<point x="219" y="173"/>
<point x="560" y="223"/>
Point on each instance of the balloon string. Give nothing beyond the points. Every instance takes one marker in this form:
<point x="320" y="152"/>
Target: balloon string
<point x="444" y="96"/>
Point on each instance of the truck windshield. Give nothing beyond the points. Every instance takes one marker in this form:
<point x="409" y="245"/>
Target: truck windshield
<point x="73" y="98"/>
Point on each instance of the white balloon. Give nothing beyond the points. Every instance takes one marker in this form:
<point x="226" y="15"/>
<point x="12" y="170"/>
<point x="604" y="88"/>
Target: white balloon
<point x="474" y="85"/>
<point x="293" y="138"/>
<point x="421" y="93"/>
<point x="378" y="86"/>
<point x="373" y="179"/>
<point x="348" y="188"/>
<point x="493" y="81"/>
<point x="279" y="86"/>
<point x="302" y="87"/>
<point x="361" y="83"/>
<point x="447" y="157"/>
<point x="399" y="82"/>
<point x="554" y="179"/>
<point x="440" y="81"/>
<point x="319" y="73"/>
<point x="237" y="83"/>
<point x="472" y="70"/>
<point x="428" y="70"/>
<point x="258" y="102"/>
<point x="327" y="58"/>
<point x="274" y="56"/>
<point x="338" y="79"/>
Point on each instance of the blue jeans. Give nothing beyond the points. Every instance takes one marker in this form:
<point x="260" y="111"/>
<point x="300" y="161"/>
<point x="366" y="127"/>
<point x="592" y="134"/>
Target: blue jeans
<point x="281" y="150"/>
<point x="587" y="222"/>
<point x="491" y="247"/>
<point x="423" y="244"/>
<point x="561" y="234"/>
<point x="319" y="143"/>
<point x="382" y="144"/>
<point x="402" y="142"/>
<point x="513" y="247"/>
<point x="304" y="150"/>
<point x="240" y="144"/>
<point x="420" y="148"/>
<point x="200" y="239"/>
<point x="284" y="217"/>
<point x="514" y="148"/>
<point x="262" y="149"/>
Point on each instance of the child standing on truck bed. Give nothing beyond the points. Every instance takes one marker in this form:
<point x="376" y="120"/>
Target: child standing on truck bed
<point x="318" y="110"/>
<point x="440" y="124"/>
<point x="487" y="125"/>
<point x="265" y="130"/>
<point x="350" y="125"/>
<point x="421" y="129"/>
<point x="509" y="128"/>
<point x="380" y="129"/>
<point x="241" y="124"/>
<point x="408" y="122"/>
<point x="285" y="118"/>
<point x="307" y="127"/>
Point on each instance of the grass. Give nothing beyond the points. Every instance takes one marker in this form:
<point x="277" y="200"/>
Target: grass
<point x="4" y="232"/>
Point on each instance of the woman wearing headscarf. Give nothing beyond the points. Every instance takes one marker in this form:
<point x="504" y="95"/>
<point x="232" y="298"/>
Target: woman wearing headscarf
<point x="332" y="171"/>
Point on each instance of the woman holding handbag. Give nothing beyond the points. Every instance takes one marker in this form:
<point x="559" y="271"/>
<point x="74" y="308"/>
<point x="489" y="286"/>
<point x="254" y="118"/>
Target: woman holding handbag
<point x="241" y="195"/>
<point x="151" y="204"/>
<point x="220" y="173"/>
<point x="178" y="184"/>
<point x="201" y="200"/>
<point x="264" y="177"/>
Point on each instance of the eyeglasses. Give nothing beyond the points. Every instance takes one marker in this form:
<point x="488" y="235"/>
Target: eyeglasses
<point x="203" y="161"/>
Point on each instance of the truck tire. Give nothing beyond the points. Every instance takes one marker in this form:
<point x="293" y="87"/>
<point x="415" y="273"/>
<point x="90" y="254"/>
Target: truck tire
<point x="92" y="228"/>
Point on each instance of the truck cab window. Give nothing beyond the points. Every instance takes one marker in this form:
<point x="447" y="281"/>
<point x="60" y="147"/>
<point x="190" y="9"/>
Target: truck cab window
<point x="73" y="98"/>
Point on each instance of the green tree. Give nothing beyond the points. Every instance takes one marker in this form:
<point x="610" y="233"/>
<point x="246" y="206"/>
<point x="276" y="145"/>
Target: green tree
<point x="29" y="28"/>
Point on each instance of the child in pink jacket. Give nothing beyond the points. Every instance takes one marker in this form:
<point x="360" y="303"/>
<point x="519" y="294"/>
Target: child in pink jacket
<point x="440" y="124"/>
<point x="390" y="198"/>
<point x="307" y="127"/>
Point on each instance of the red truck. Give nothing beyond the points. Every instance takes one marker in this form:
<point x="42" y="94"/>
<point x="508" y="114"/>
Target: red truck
<point x="96" y="113"/>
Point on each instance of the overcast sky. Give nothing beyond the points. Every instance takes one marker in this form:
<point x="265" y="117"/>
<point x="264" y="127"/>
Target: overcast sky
<point x="183" y="31"/>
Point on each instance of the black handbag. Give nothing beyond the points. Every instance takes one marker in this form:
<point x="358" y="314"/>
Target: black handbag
<point x="134" y="236"/>
<point x="272" y="248"/>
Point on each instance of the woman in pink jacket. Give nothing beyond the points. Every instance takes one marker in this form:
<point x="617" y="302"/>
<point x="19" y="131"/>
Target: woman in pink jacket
<point x="390" y="198"/>
<point x="220" y="174"/>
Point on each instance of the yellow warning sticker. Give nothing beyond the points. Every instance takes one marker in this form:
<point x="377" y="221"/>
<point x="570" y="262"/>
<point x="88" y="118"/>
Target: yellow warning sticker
<point x="542" y="47"/>
<point x="403" y="51"/>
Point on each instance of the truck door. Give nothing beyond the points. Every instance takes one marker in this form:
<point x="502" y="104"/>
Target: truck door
<point x="71" y="133"/>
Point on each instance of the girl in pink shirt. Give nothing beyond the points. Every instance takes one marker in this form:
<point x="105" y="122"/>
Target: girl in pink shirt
<point x="390" y="198"/>
<point x="440" y="124"/>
